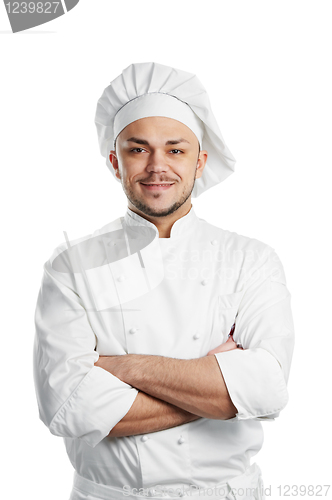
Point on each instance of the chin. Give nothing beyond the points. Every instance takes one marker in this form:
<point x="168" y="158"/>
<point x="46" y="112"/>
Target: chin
<point x="155" y="210"/>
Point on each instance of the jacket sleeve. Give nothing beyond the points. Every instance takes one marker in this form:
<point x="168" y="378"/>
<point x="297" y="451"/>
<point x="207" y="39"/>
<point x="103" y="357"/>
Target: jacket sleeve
<point x="256" y="377"/>
<point x="75" y="398"/>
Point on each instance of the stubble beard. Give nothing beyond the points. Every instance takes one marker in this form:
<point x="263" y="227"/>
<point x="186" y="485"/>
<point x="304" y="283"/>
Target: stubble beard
<point x="147" y="210"/>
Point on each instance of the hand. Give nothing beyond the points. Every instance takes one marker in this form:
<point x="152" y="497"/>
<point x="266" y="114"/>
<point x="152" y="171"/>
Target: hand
<point x="229" y="345"/>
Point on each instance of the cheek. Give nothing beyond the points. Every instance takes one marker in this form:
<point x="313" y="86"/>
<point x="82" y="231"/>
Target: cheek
<point x="185" y="170"/>
<point x="130" y="169"/>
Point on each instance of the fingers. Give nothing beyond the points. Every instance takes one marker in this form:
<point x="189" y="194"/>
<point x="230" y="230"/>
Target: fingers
<point x="229" y="345"/>
<point x="226" y="346"/>
<point x="238" y="346"/>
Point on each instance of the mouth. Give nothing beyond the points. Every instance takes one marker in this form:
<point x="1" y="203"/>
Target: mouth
<point x="157" y="187"/>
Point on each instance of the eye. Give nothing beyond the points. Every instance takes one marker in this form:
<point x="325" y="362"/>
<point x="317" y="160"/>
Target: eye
<point x="137" y="150"/>
<point x="176" y="151"/>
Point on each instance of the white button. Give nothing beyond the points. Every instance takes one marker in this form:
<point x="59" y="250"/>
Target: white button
<point x="144" y="438"/>
<point x="196" y="336"/>
<point x="133" y="330"/>
<point x="214" y="242"/>
<point x="181" y="440"/>
<point x="121" y="278"/>
<point x="204" y="282"/>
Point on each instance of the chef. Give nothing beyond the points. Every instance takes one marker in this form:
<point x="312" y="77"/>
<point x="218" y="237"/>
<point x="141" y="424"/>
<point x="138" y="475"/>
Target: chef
<point x="162" y="341"/>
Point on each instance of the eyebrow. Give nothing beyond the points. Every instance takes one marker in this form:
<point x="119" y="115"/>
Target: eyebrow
<point x="145" y="143"/>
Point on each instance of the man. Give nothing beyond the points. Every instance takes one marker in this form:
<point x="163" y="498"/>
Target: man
<point x="161" y="340"/>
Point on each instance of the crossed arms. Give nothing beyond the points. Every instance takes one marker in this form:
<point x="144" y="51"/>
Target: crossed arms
<point x="83" y="395"/>
<point x="171" y="391"/>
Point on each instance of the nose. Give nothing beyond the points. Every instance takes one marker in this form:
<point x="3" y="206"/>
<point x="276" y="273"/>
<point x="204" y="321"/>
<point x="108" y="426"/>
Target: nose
<point x="157" y="162"/>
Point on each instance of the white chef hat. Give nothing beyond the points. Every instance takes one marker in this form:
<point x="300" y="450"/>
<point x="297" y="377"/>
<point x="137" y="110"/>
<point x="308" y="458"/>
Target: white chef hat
<point x="152" y="89"/>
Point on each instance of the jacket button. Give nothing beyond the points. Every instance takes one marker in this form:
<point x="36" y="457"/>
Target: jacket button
<point x="121" y="278"/>
<point x="214" y="242"/>
<point x="133" y="330"/>
<point x="204" y="282"/>
<point x="196" y="336"/>
<point x="181" y="440"/>
<point x="144" y="438"/>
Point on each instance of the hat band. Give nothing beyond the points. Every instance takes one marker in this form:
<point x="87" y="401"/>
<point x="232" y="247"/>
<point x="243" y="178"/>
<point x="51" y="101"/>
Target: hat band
<point x="157" y="104"/>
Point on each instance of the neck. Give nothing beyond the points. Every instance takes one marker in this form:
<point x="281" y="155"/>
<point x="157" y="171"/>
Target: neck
<point x="164" y="224"/>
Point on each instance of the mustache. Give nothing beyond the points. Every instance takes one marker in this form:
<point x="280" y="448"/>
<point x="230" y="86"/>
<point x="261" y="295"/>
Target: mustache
<point x="156" y="181"/>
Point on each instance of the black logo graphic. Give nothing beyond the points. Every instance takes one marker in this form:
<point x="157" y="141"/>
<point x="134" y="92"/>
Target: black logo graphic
<point x="25" y="15"/>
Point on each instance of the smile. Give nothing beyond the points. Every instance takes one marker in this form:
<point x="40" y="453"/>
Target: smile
<point x="158" y="187"/>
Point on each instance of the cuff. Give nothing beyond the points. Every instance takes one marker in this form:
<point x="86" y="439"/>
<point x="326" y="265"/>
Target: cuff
<point x="99" y="402"/>
<point x="255" y="383"/>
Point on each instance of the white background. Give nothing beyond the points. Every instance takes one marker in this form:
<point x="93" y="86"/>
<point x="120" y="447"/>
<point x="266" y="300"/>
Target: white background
<point x="267" y="68"/>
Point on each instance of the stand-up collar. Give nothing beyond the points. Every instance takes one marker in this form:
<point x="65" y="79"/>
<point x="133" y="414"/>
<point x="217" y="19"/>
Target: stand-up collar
<point x="181" y="226"/>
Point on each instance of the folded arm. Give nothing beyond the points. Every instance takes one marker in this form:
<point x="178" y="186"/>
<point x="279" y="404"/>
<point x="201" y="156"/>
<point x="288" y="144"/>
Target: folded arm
<point x="148" y="414"/>
<point x="195" y="385"/>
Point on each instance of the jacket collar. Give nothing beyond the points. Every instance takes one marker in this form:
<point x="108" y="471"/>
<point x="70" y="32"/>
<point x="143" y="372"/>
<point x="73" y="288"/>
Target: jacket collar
<point x="181" y="226"/>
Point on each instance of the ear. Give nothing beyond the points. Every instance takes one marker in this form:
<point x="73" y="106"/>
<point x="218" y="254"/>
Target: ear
<point x="115" y="164"/>
<point x="201" y="162"/>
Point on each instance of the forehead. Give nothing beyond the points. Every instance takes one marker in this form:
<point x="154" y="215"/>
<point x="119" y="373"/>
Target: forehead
<point x="157" y="128"/>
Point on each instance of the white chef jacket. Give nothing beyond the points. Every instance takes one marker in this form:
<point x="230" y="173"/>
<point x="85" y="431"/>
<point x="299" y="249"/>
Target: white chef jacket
<point x="125" y="290"/>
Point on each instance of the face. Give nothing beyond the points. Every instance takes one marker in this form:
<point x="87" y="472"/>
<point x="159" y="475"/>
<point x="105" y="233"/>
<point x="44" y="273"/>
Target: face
<point x="157" y="160"/>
